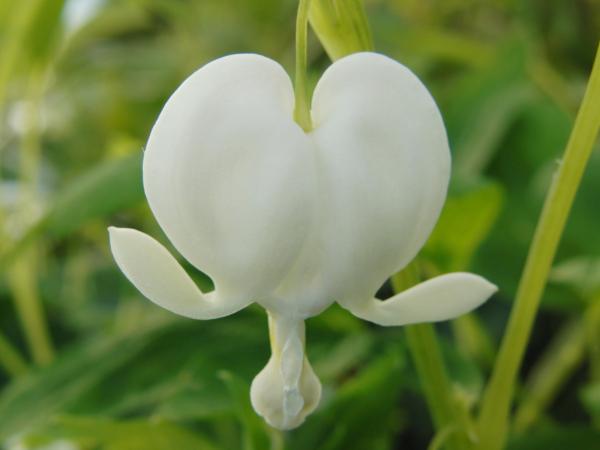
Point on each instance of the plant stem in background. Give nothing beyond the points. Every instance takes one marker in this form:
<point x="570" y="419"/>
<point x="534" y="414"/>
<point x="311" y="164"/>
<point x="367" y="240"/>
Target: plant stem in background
<point x="18" y="27"/>
<point x="23" y="284"/>
<point x="427" y="356"/>
<point x="497" y="400"/>
<point x="23" y="274"/>
<point x="10" y="358"/>
<point x="302" y="106"/>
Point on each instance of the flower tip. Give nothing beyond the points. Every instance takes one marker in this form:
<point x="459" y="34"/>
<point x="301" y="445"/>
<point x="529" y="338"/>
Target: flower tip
<point x="117" y="235"/>
<point x="113" y="231"/>
<point x="282" y="408"/>
<point x="482" y="285"/>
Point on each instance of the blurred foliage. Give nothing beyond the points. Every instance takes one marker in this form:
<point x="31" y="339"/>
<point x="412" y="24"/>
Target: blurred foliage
<point x="81" y="82"/>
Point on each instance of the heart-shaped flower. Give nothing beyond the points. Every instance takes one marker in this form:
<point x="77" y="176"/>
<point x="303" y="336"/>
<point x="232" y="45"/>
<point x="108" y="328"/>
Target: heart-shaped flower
<point x="296" y="220"/>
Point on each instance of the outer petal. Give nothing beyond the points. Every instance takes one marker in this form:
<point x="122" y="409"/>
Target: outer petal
<point x="440" y="298"/>
<point x="383" y="168"/>
<point x="152" y="269"/>
<point x="230" y="176"/>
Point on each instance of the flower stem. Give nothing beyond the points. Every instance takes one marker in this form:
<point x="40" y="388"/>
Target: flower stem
<point x="23" y="283"/>
<point x="427" y="356"/>
<point x="302" y="108"/>
<point x="493" y="421"/>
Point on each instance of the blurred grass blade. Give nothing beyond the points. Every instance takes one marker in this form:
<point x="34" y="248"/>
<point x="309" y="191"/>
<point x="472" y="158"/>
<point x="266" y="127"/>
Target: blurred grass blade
<point x="341" y="26"/>
<point x="480" y="141"/>
<point x="483" y="106"/>
<point x="10" y="358"/>
<point x="113" y="186"/>
<point x="34" y="399"/>
<point x="122" y="435"/>
<point x="27" y="299"/>
<point x="30" y="34"/>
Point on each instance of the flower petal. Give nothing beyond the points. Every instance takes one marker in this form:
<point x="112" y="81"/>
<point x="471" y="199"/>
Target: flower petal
<point x="440" y="298"/>
<point x="157" y="275"/>
<point x="229" y="175"/>
<point x="383" y="169"/>
<point x="287" y="389"/>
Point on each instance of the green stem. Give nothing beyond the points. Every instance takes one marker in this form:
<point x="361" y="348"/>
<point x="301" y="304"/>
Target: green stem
<point x="23" y="285"/>
<point x="424" y="348"/>
<point x="493" y="423"/>
<point x="302" y="108"/>
<point x="11" y="359"/>
<point x="22" y="18"/>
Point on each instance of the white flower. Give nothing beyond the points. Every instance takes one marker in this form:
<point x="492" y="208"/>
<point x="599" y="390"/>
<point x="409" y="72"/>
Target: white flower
<point x="293" y="220"/>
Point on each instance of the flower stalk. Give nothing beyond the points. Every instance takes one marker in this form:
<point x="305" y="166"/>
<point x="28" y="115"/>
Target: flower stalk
<point x="302" y="105"/>
<point x="494" y="418"/>
<point x="427" y="356"/>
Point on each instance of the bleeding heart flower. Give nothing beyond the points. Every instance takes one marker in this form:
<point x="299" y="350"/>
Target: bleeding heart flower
<point x="296" y="220"/>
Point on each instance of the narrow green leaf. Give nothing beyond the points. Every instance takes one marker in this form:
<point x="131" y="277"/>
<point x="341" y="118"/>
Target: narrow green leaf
<point x="123" y="435"/>
<point x="35" y="398"/>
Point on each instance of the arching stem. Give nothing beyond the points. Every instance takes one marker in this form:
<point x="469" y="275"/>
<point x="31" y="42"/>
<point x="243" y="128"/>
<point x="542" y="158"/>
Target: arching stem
<point x="302" y="107"/>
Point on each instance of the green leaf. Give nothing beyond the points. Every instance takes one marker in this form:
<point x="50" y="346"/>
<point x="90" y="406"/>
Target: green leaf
<point x="44" y="30"/>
